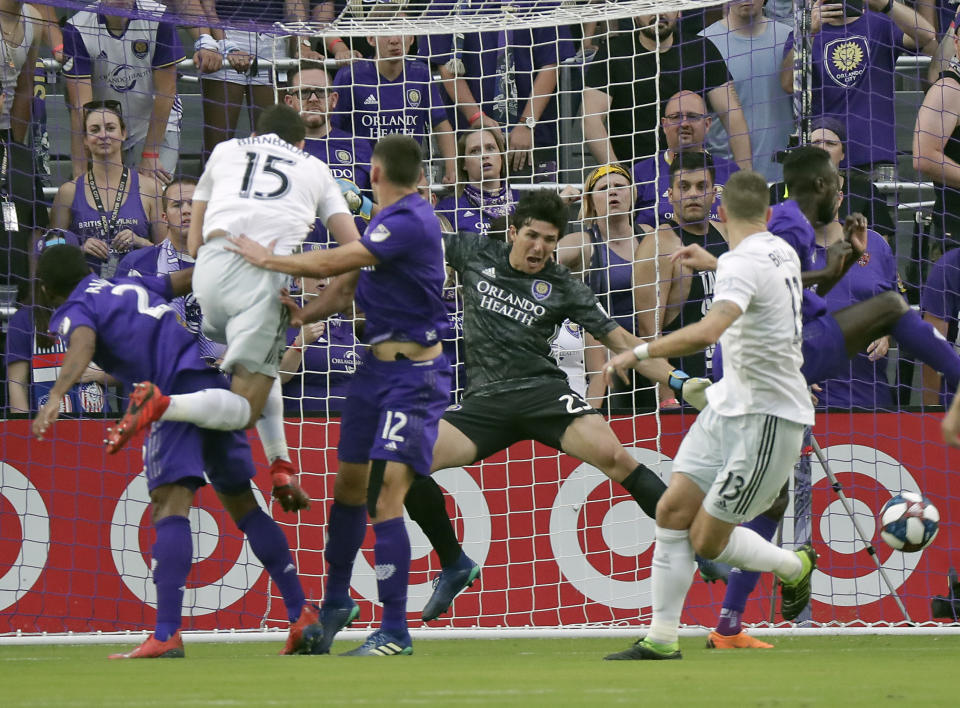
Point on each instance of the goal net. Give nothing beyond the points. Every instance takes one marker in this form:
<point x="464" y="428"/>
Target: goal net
<point x="637" y="119"/>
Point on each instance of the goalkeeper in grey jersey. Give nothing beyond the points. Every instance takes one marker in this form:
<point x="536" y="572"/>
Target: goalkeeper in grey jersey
<point x="515" y="297"/>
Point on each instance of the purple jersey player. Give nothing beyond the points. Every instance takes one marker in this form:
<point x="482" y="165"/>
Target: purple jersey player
<point x="129" y="329"/>
<point x="393" y="94"/>
<point x="399" y="392"/>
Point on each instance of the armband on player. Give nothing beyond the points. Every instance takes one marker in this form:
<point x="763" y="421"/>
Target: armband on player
<point x="357" y="203"/>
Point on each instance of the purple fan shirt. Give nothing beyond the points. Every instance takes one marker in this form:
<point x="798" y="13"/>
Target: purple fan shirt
<point x="876" y="272"/>
<point x="530" y="50"/>
<point x="347" y="158"/>
<point x="463" y="215"/>
<point x="645" y="174"/>
<point x="328" y="366"/>
<point x="371" y="106"/>
<point x="853" y="81"/>
<point x="139" y="336"/>
<point x="789" y="223"/>
<point x="402" y="296"/>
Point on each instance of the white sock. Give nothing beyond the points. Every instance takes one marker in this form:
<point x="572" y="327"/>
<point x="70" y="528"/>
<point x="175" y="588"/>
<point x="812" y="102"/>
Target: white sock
<point x="748" y="550"/>
<point x="673" y="568"/>
<point x="270" y="426"/>
<point x="215" y="408"/>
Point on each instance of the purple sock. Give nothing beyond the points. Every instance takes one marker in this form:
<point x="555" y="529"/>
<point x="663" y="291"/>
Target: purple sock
<point x="742" y="582"/>
<point x="391" y="554"/>
<point x="270" y="545"/>
<point x="172" y="555"/>
<point x="920" y="341"/>
<point x="345" y="531"/>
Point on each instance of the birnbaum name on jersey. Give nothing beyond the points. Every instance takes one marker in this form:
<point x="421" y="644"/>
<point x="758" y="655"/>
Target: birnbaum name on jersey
<point x="271" y="139"/>
<point x="508" y="304"/>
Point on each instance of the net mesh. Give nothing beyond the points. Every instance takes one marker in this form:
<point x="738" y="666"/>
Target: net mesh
<point x="563" y="87"/>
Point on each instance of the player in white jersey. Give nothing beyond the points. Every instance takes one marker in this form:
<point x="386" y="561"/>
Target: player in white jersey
<point x="267" y="188"/>
<point x="743" y="445"/>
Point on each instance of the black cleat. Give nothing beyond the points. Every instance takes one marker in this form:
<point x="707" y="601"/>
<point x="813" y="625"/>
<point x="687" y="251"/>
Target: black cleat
<point x="644" y="649"/>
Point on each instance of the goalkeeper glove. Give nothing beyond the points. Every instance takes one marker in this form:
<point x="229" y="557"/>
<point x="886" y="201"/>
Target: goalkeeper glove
<point x="356" y="202"/>
<point x="287" y="491"/>
<point x="691" y="390"/>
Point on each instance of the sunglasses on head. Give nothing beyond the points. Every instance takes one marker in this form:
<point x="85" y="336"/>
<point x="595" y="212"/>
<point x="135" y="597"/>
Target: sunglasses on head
<point x="109" y="105"/>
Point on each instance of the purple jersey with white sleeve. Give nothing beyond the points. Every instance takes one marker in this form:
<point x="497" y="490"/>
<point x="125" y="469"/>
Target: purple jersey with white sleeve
<point x="402" y="296"/>
<point x="789" y="223"/>
<point x="853" y="81"/>
<point x="162" y="259"/>
<point x="864" y="383"/>
<point x="649" y="184"/>
<point x="139" y="336"/>
<point x="371" y="106"/>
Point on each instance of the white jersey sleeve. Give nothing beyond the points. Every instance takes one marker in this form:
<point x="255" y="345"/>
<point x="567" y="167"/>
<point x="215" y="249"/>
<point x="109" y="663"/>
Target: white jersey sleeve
<point x="267" y="189"/>
<point x="762" y="352"/>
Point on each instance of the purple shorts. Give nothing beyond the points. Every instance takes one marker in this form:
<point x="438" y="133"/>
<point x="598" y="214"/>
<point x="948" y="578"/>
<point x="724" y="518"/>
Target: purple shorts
<point x="181" y="452"/>
<point x="392" y="411"/>
<point x="824" y="350"/>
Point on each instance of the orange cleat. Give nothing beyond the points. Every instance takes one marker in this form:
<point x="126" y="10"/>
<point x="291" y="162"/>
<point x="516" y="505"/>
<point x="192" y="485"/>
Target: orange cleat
<point x="297" y="643"/>
<point x="737" y="641"/>
<point x="285" y="487"/>
<point x="147" y="404"/>
<point x="153" y="648"/>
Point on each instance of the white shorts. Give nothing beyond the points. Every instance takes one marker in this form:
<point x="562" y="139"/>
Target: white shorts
<point x="741" y="462"/>
<point x="241" y="308"/>
<point x="266" y="47"/>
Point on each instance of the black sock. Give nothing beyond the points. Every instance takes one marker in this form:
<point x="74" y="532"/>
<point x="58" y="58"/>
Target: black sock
<point x="646" y="488"/>
<point x="426" y="506"/>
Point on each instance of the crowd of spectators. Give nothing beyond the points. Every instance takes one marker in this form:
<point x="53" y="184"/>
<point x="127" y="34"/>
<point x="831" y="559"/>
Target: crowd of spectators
<point x="712" y="89"/>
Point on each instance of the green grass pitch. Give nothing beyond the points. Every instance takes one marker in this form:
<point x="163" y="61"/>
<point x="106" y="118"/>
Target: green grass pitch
<point x="809" y="671"/>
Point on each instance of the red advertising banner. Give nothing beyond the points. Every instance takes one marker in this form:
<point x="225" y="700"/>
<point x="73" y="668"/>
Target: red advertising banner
<point x="559" y="543"/>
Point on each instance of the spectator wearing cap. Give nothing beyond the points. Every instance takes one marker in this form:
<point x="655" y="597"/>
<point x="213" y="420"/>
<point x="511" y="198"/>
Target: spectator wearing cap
<point x="112" y="208"/>
<point x="853" y="67"/>
<point x="752" y="46"/>
<point x="34" y="355"/>
<point x="131" y="60"/>
<point x="860" y="194"/>
<point x="685" y="123"/>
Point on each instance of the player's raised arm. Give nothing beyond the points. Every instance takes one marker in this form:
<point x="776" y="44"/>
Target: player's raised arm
<point x="83" y="341"/>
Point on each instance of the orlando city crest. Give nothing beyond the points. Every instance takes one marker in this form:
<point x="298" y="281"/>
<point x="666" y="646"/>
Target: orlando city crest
<point x="140" y="48"/>
<point x="541" y="290"/>
<point x="846" y="59"/>
<point x="342" y="155"/>
<point x="413" y="97"/>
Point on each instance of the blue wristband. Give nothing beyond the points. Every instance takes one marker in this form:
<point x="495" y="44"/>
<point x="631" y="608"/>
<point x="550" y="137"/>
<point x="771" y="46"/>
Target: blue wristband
<point x="676" y="381"/>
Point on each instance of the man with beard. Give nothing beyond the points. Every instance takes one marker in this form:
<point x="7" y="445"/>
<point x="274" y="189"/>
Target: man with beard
<point x="685" y="122"/>
<point x="682" y="295"/>
<point x="620" y="98"/>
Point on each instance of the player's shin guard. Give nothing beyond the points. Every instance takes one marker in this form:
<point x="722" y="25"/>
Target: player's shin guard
<point x="672" y="575"/>
<point x="270" y="426"/>
<point x="172" y="555"/>
<point x="346" y="528"/>
<point x="921" y="341"/>
<point x="391" y="554"/>
<point x="747" y="550"/>
<point x="428" y="509"/>
<point x="741" y="583"/>
<point x="270" y="545"/>
<point x="213" y="408"/>
<point x="646" y="488"/>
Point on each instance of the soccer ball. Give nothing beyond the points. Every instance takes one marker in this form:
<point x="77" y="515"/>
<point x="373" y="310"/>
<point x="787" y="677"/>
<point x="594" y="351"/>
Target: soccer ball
<point x="909" y="522"/>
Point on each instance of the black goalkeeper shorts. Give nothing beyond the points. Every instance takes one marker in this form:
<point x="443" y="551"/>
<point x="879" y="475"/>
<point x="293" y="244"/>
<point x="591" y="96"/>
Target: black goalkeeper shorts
<point x="496" y="421"/>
